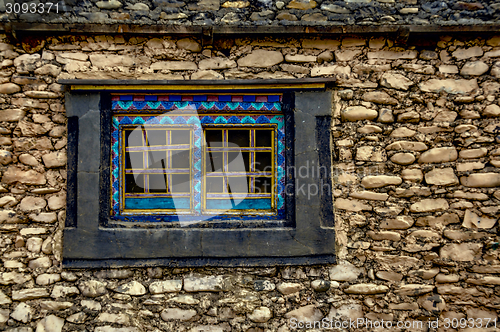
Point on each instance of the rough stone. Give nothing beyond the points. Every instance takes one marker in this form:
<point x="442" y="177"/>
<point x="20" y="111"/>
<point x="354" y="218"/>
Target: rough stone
<point x="44" y="217"/>
<point x="441" y="177"/>
<point x="385" y="116"/>
<point x="92" y="288"/>
<point x="129" y="329"/>
<point x="378" y="181"/>
<point x="216" y="63"/>
<point x="471" y="52"/>
<point x="61" y="291"/>
<point x="400" y="222"/>
<point x="287" y="288"/>
<point x="461" y="252"/>
<point x="41" y="94"/>
<point x="40" y="263"/>
<point x="55" y="159"/>
<point x="407" y="145"/>
<point x="260" y="315"/>
<point x="395" y="81"/>
<point x="15" y="174"/>
<point x="341" y="71"/>
<point x="346" y="55"/>
<point x="50" y="323"/>
<point x="302" y="4"/>
<point x="261" y="59"/>
<point x="133" y="288"/>
<point x="166" y="286"/>
<point x="12" y="115"/>
<point x="344" y="271"/>
<point x="122" y="319"/>
<point x="491" y="111"/>
<point x="481" y="180"/>
<point x="475" y="68"/>
<point x="300" y="58"/>
<point x="32" y="203"/>
<point x="465" y="167"/>
<point x="369" y="195"/>
<point x="473" y="153"/>
<point x="9" y="88"/>
<point x="204" y="284"/>
<point x="305" y="313"/>
<point x="384" y="235"/>
<point x="23" y="313"/>
<point x="109" y="4"/>
<point x="447" y="278"/>
<point x="449" y="85"/>
<point x="358" y="113"/>
<point x="56" y="202"/>
<point x="369" y="129"/>
<point x="9" y="278"/>
<point x="366" y="289"/>
<point x="414" y="289"/>
<point x="352" y="310"/>
<point x="106" y="61"/>
<point x="448" y="69"/>
<point x="371" y="153"/>
<point x="351" y="205"/>
<point x="402" y="132"/>
<point x="29" y="294"/>
<point x="429" y="205"/>
<point x="472" y="220"/>
<point x="177" y="314"/>
<point x="4" y="299"/>
<point x="403" y="158"/>
<point x="438" y="155"/>
<point x="174" y="65"/>
<point x="320" y="285"/>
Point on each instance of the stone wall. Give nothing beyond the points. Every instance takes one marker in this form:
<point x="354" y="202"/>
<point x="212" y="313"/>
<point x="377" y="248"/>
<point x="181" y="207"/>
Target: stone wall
<point x="416" y="176"/>
<point x="258" y="12"/>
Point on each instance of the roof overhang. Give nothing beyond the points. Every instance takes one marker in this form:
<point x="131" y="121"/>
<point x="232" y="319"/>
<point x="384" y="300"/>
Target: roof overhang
<point x="92" y="28"/>
<point x="199" y="85"/>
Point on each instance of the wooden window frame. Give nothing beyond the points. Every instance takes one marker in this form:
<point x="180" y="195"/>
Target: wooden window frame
<point x="91" y="241"/>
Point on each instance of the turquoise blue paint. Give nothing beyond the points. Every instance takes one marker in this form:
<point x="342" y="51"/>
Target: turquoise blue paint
<point x="156" y="203"/>
<point x="226" y="204"/>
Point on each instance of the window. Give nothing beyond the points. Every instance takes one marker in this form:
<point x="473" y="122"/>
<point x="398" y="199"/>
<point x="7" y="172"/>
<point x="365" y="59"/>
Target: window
<point x="189" y="179"/>
<point x="197" y="158"/>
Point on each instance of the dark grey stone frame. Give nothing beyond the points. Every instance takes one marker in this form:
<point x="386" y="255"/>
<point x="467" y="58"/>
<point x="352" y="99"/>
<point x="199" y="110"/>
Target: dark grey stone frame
<point x="90" y="242"/>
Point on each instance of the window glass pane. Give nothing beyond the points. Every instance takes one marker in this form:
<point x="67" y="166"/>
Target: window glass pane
<point x="134" y="160"/>
<point x="180" y="136"/>
<point x="263" y="138"/>
<point x="175" y="164"/>
<point x="213" y="138"/>
<point x="180" y="183"/>
<point x="157" y="183"/>
<point x="240" y="138"/>
<point x="214" y="162"/>
<point x="157" y="159"/>
<point x="133" y="137"/>
<point x="180" y="159"/>
<point x="157" y="137"/>
<point x="263" y="161"/>
<point x="237" y="184"/>
<point x="238" y="161"/>
<point x="263" y="185"/>
<point x="134" y="183"/>
<point x="215" y="184"/>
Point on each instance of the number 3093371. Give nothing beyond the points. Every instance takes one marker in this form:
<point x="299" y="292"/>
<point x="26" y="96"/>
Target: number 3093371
<point x="32" y="8"/>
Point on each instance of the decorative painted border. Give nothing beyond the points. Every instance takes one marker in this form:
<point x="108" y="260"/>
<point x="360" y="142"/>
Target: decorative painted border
<point x="271" y="103"/>
<point x="198" y="122"/>
<point x="215" y="98"/>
